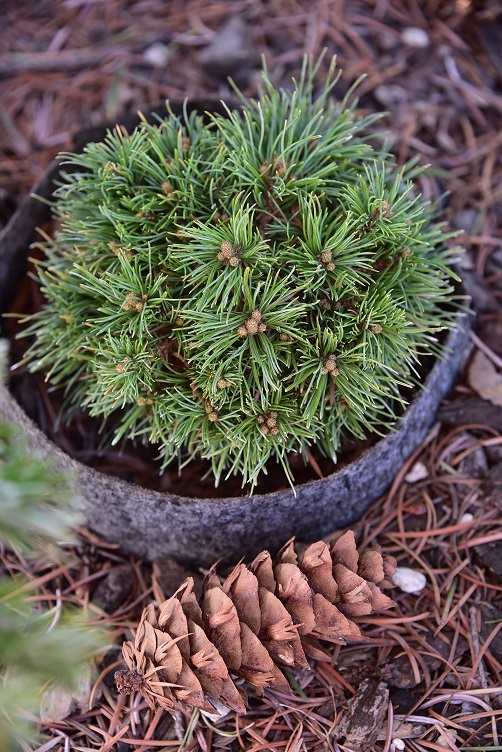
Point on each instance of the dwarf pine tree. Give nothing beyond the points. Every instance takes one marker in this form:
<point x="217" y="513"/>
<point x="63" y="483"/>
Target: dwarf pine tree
<point x="245" y="288"/>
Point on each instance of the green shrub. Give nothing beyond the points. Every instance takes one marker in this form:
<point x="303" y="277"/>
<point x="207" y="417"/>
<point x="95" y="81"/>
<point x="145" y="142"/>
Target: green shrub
<point x="244" y="289"/>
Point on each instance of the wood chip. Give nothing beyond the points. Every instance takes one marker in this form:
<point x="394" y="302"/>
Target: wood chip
<point x="365" y="717"/>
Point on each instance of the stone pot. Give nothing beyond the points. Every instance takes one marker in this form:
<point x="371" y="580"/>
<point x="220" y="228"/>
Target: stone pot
<point x="152" y="524"/>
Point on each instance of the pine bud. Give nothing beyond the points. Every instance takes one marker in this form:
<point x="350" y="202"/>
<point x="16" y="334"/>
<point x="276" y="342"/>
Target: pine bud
<point x="228" y="254"/>
<point x="385" y="209"/>
<point x="376" y="328"/>
<point x="252" y="326"/>
<point x="330" y="366"/>
<point x="141" y="401"/>
<point x="227" y="249"/>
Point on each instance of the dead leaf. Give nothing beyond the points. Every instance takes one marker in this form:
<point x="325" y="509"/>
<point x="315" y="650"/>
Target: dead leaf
<point x="484" y="378"/>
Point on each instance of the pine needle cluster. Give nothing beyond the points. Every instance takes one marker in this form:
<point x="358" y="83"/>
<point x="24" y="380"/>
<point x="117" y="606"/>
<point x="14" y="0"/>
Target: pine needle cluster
<point x="242" y="289"/>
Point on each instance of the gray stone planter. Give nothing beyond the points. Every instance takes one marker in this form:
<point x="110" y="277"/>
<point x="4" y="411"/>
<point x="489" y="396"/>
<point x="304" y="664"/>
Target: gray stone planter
<point x="199" y="531"/>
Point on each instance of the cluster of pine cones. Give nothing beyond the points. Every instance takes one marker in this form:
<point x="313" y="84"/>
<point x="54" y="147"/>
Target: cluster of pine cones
<point x="267" y="614"/>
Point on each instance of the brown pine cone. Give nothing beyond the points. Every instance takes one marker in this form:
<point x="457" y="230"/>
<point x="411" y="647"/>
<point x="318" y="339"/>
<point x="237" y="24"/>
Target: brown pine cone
<point x="263" y="616"/>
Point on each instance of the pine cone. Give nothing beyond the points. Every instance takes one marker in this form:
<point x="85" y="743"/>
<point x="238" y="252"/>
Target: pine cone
<point x="263" y="616"/>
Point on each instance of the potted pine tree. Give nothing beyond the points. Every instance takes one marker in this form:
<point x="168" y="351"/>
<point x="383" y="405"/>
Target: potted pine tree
<point x="250" y="287"/>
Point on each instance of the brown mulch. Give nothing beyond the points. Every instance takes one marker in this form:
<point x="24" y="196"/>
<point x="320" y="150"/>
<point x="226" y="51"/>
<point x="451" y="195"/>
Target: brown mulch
<point x="436" y="67"/>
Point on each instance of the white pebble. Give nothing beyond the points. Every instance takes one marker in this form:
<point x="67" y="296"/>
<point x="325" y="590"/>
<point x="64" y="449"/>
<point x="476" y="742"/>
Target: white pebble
<point x="157" y="55"/>
<point x="413" y="36"/>
<point x="446" y="737"/>
<point x="409" y="580"/>
<point x="398" y="743"/>
<point x="467" y="517"/>
<point x="417" y="472"/>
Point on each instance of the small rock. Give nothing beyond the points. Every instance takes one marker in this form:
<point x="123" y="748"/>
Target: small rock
<point x="467" y="517"/>
<point x="398" y="744"/>
<point x="82" y="692"/>
<point x="413" y="36"/>
<point x="58" y="703"/>
<point x="157" y="55"/>
<point x="387" y="40"/>
<point x="447" y="738"/>
<point x="409" y="580"/>
<point x="417" y="472"/>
